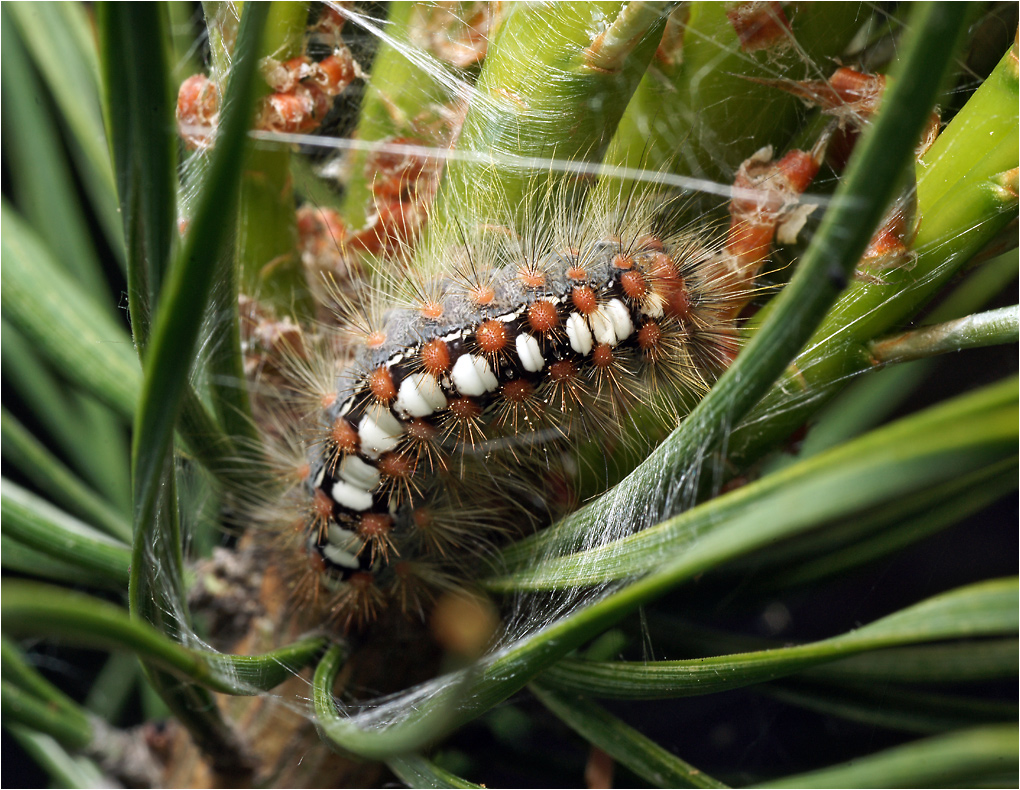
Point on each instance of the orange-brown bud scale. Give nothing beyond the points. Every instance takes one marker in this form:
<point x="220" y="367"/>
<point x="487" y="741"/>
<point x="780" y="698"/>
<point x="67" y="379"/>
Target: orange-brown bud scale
<point x="330" y="21"/>
<point x="334" y="73"/>
<point x="748" y="241"/>
<point x="197" y="98"/>
<point x="759" y="25"/>
<point x="286" y="112"/>
<point x="755" y="218"/>
<point x="197" y="107"/>
<point x="888" y="245"/>
<point x="799" y="169"/>
<point x="855" y="87"/>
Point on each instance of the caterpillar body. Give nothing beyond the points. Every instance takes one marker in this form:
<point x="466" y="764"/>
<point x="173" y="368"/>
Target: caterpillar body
<point x="495" y="344"/>
<point x="473" y="376"/>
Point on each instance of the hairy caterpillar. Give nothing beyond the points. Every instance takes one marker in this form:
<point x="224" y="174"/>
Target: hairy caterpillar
<point x="468" y="381"/>
<point x="443" y="412"/>
<point x="459" y="398"/>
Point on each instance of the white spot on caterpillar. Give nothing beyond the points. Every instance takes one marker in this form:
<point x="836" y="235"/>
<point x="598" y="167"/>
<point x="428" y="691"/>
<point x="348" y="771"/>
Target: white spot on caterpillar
<point x="340" y="556"/>
<point x="358" y="473"/>
<point x="602" y="327"/>
<point x="652" y="306"/>
<point x="530" y="353"/>
<point x="351" y="497"/>
<point x="419" y="396"/>
<point x="618" y="313"/>
<point x="379" y="432"/>
<point x="472" y="376"/>
<point x="579" y="334"/>
<point x="344" y="538"/>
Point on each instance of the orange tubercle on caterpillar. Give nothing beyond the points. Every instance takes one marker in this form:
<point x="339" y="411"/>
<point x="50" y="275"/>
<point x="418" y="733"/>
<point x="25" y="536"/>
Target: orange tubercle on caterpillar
<point x="543" y="317"/>
<point x="584" y="299"/>
<point x="431" y="310"/>
<point x="634" y="285"/>
<point x="342" y="436"/>
<point x="482" y="294"/>
<point x="435" y="357"/>
<point x="531" y="276"/>
<point x="491" y="337"/>
<point x="380" y="382"/>
<point x="622" y="261"/>
<point x="577" y="273"/>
